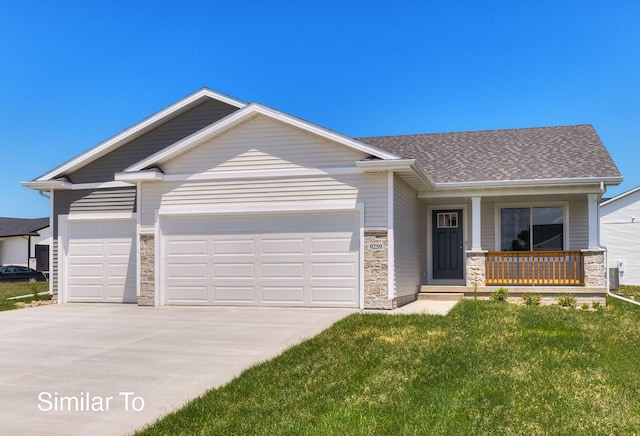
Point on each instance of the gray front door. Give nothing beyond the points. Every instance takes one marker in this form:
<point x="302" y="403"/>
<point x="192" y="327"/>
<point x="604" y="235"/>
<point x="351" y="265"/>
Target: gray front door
<point x="447" y="244"/>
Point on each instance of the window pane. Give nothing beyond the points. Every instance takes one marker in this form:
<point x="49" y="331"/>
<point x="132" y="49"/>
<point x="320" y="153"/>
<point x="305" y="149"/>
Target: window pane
<point x="547" y="228"/>
<point x="514" y="232"/>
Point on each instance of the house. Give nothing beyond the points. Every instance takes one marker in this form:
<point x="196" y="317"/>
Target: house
<point x="620" y="234"/>
<point x="217" y="201"/>
<point x="25" y="242"/>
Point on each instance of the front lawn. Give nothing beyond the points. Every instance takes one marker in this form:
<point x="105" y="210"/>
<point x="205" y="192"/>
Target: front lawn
<point x="8" y="290"/>
<point x="486" y="368"/>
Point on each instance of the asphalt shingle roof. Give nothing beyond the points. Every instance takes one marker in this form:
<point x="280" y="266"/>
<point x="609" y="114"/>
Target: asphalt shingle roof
<point x="511" y="154"/>
<point x="21" y="226"/>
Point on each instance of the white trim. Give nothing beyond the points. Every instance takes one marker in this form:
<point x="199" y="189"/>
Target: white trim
<point x="102" y="216"/>
<point x="63" y="238"/>
<point x="511" y="191"/>
<point x="158" y="242"/>
<point x="139" y="176"/>
<point x="532" y="204"/>
<point x="51" y="216"/>
<point x="139" y="128"/>
<point x="476" y="223"/>
<point x="532" y="182"/>
<point x="465" y="235"/>
<point x="242" y="115"/>
<point x="391" y="270"/>
<point x="592" y="212"/>
<point x="360" y="207"/>
<point x="47" y="185"/>
<point x="258" y="208"/>
<point x="137" y="251"/>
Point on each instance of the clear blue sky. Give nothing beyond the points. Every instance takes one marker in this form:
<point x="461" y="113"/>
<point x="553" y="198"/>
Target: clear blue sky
<point x="74" y="73"/>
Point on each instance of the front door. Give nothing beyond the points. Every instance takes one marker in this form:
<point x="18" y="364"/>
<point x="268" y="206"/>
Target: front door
<point x="447" y="244"/>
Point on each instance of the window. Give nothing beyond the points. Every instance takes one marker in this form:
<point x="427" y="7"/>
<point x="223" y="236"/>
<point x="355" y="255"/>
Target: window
<point x="448" y="220"/>
<point x="532" y="228"/>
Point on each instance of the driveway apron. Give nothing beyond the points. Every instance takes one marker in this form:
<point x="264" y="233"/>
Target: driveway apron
<point x="110" y="369"/>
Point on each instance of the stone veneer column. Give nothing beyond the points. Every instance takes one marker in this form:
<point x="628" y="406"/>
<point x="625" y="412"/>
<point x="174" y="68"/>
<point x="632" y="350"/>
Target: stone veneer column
<point x="476" y="267"/>
<point x="376" y="269"/>
<point x="595" y="271"/>
<point x="147" y="270"/>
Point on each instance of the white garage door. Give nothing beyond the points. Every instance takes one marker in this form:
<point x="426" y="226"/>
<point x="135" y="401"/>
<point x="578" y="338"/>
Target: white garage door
<point x="100" y="261"/>
<point x="292" y="259"/>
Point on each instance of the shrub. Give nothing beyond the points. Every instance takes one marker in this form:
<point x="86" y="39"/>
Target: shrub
<point x="500" y="294"/>
<point x="585" y="306"/>
<point x="567" y="300"/>
<point x="532" y="299"/>
<point x="596" y="305"/>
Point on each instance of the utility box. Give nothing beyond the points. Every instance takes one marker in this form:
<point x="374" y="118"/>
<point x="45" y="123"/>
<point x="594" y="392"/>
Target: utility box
<point x="614" y="279"/>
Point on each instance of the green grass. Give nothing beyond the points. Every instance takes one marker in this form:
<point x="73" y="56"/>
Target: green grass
<point x="8" y="290"/>
<point x="486" y="368"/>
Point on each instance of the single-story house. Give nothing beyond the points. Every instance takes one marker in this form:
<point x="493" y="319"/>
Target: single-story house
<point x="25" y="242"/>
<point x="216" y="201"/>
<point x="620" y="234"/>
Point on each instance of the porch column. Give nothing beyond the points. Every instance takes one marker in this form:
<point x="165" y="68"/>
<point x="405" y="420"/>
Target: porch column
<point x="476" y="245"/>
<point x="593" y="220"/>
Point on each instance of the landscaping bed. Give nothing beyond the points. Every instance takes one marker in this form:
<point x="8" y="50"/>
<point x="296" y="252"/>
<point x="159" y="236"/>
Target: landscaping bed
<point x="30" y="290"/>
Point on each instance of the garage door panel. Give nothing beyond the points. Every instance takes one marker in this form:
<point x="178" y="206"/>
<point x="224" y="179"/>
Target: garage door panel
<point x="188" y="294"/>
<point x="188" y="271"/>
<point x="239" y="294"/>
<point x="234" y="270"/>
<point x="283" y="270"/>
<point x="282" y="246"/>
<point x="85" y="292"/>
<point x="86" y="270"/>
<point x="333" y="295"/>
<point x="282" y="294"/>
<point x="234" y="246"/>
<point x="185" y="247"/>
<point x="86" y="249"/>
<point x="280" y="259"/>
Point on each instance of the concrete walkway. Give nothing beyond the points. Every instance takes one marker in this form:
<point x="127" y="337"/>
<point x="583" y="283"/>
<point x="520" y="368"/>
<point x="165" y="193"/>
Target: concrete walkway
<point x="423" y="307"/>
<point x="102" y="369"/>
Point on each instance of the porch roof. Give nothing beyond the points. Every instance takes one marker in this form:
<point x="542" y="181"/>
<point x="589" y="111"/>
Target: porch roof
<point x="564" y="152"/>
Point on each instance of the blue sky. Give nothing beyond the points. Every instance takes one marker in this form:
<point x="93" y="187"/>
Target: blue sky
<point x="74" y="73"/>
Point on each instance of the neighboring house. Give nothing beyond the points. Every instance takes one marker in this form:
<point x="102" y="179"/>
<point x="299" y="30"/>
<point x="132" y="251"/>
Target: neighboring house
<point x="217" y="201"/>
<point x="25" y="242"/>
<point x="620" y="234"/>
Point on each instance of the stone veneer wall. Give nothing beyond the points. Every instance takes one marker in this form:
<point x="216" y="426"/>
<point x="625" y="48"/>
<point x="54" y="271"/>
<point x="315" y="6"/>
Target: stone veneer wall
<point x="595" y="270"/>
<point x="376" y="270"/>
<point x="147" y="270"/>
<point x="476" y="270"/>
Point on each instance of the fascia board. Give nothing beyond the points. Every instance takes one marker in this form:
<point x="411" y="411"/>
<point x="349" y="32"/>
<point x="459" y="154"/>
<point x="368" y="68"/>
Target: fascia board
<point x="147" y="123"/>
<point x="240" y="116"/>
<point x="47" y="185"/>
<point x="395" y="165"/>
<point x="139" y="176"/>
<point x="530" y="182"/>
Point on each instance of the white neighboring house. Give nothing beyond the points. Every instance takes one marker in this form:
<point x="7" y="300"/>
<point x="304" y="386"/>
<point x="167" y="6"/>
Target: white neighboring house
<point x="25" y="242"/>
<point x="620" y="233"/>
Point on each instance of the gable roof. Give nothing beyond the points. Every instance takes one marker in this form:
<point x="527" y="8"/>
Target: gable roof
<point x="565" y="152"/>
<point x="138" y="129"/>
<point x="242" y="115"/>
<point x="21" y="226"/>
<point x="620" y="196"/>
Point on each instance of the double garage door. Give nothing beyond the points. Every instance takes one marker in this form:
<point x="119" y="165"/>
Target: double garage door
<point x="266" y="259"/>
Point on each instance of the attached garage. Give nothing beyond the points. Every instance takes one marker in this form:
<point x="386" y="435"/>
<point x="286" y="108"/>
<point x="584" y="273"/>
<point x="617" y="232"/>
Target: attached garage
<point x="100" y="261"/>
<point x="293" y="259"/>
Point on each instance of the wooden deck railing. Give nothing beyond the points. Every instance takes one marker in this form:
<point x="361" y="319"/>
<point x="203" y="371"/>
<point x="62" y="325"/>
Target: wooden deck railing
<point x="535" y="267"/>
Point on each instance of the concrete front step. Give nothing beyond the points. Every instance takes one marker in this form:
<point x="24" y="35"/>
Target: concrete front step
<point x="441" y="296"/>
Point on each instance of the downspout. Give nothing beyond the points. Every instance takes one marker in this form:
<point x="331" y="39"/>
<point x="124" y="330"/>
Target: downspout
<point x="606" y="260"/>
<point x="42" y="194"/>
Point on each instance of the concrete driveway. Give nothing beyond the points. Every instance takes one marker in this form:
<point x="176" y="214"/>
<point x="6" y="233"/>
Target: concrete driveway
<point x="110" y="369"/>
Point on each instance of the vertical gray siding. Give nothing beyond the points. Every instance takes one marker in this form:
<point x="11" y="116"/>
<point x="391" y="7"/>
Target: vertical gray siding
<point x="578" y="224"/>
<point x="488" y="226"/>
<point x="410" y="239"/>
<point x="103" y="169"/>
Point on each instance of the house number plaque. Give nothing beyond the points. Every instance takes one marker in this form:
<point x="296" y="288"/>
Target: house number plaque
<point x="376" y="246"/>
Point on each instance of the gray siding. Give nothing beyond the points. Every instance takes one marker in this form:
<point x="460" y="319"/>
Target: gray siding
<point x="488" y="226"/>
<point x="410" y="239"/>
<point x="93" y="201"/>
<point x="578" y="224"/>
<point x="103" y="169"/>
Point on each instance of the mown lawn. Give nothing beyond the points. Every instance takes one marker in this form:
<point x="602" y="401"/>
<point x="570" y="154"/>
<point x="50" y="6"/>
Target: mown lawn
<point x="486" y="368"/>
<point x="8" y="290"/>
